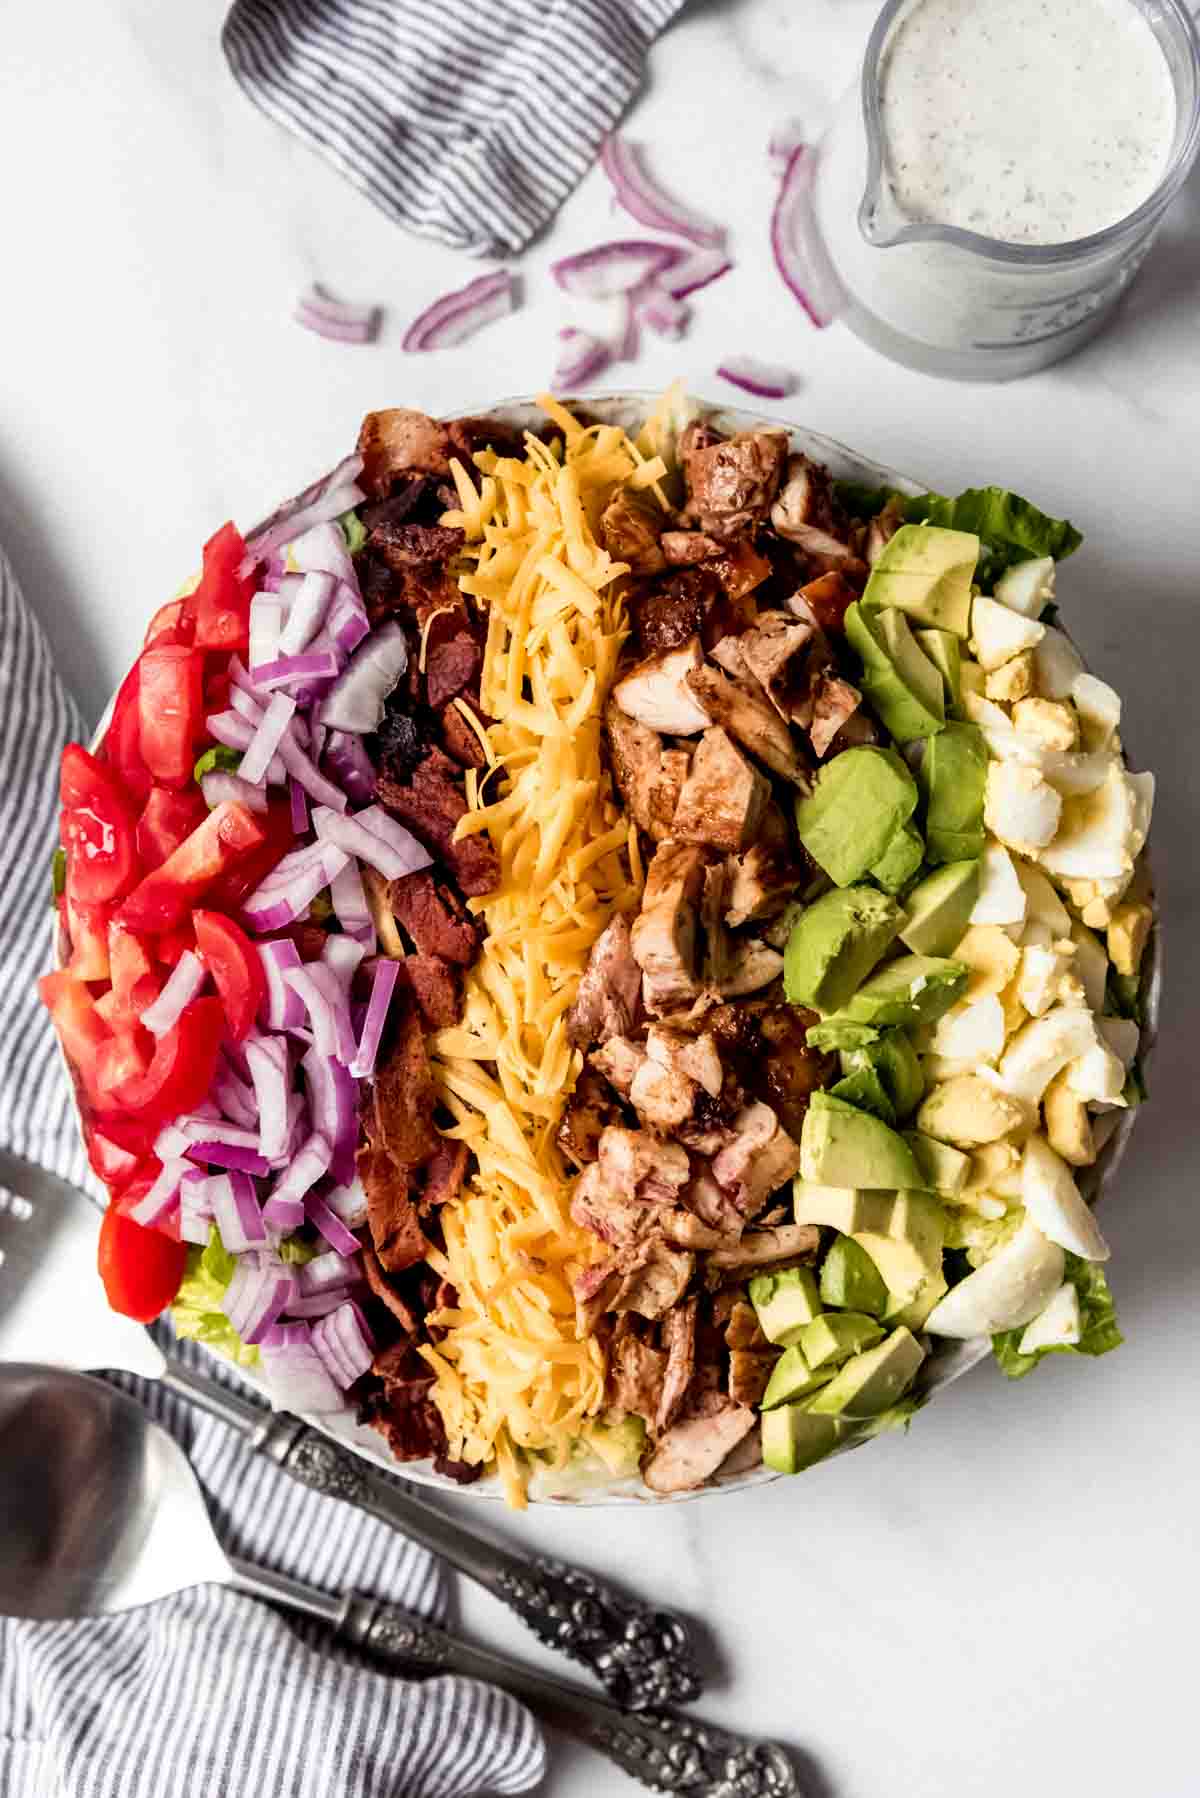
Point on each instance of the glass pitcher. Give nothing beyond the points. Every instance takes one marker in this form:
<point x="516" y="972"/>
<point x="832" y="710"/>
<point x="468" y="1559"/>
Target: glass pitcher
<point x="949" y="301"/>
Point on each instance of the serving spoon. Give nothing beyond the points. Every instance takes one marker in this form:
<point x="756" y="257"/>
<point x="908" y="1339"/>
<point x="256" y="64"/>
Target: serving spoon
<point x="100" y="1512"/>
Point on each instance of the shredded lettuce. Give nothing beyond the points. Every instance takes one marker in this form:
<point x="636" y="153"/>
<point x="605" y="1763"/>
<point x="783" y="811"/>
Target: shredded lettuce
<point x="354" y="531"/>
<point x="1098" y="1316"/>
<point x="1010" y="529"/>
<point x="197" y="1312"/>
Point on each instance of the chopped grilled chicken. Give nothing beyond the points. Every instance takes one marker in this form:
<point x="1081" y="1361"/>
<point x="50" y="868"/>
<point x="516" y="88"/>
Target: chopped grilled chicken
<point x="649" y="777"/>
<point x="589" y="1110"/>
<point x="694" y="1448"/>
<point x="612" y="1214"/>
<point x="804" y="514"/>
<point x="745" y="1457"/>
<point x="642" y="1166"/>
<point x="636" y="1372"/>
<point x="753" y="721"/>
<point x="718" y="944"/>
<point x="662" y="1097"/>
<point x="695" y="1056"/>
<point x="687" y="1231"/>
<point x="788" y="1072"/>
<point x="631" y="527"/>
<point x="713" y="1207"/>
<point x="749" y="1371"/>
<point x="724" y="796"/>
<point x="742" y="1329"/>
<point x="664" y="936"/>
<point x="679" y="1340"/>
<point x="607" y="1000"/>
<point x="731" y="484"/>
<point x="657" y="1282"/>
<point x="834" y="702"/>
<point x="824" y="603"/>
<point x="883" y="528"/>
<point x="776" y="652"/>
<point x="752" y="965"/>
<point x="618" y="1060"/>
<point x="657" y="691"/>
<point x="759" y="1160"/>
<point x="763" y="1248"/>
<point x="762" y="880"/>
<point x="683" y="548"/>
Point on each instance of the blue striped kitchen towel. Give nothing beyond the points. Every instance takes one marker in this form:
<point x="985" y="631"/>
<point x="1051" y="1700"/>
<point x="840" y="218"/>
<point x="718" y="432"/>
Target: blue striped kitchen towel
<point x="209" y="1694"/>
<point x="468" y="121"/>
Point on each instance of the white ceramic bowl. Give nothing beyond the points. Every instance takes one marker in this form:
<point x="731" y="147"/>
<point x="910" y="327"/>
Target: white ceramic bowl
<point x="947" y="1360"/>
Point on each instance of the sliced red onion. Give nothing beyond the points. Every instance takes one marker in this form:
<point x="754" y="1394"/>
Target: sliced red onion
<point x="456" y="316"/>
<point x="625" y="342"/>
<point x="236" y="1212"/>
<point x="336" y="319"/>
<point x="327" y="498"/>
<point x="784" y="142"/>
<point x="299" y="1128"/>
<point x="344" y="1343"/>
<point x="359" y="695"/>
<point x="218" y="785"/>
<point x="799" y="255"/>
<point x="271" y="908"/>
<point x="195" y="1207"/>
<point x="266" y="622"/>
<point x="352" y="910"/>
<point x="301" y="768"/>
<point x="321" y="1010"/>
<point x="186" y="982"/>
<point x="284" y="871"/>
<point x="694" y="271"/>
<point x="298" y="802"/>
<point x="235" y="1096"/>
<point x="307" y="612"/>
<point x="347" y="623"/>
<point x="350" y="765"/>
<point x="154" y="1205"/>
<point x="342" y="956"/>
<point x="256" y="1296"/>
<point x="267" y="737"/>
<point x="348" y="1204"/>
<point x="641" y="196"/>
<point x="196" y="1129"/>
<point x="662" y="313"/>
<point x="765" y="380"/>
<point x="583" y="357"/>
<point x="333" y="1107"/>
<point x="322" y="550"/>
<point x="281" y="1008"/>
<point x="297" y="672"/>
<point x="356" y="838"/>
<point x="237" y="733"/>
<point x="329" y="1272"/>
<point x="298" y="1378"/>
<point x="611" y="269"/>
<point x="381" y="824"/>
<point x="270" y="1072"/>
<point x="337" y="992"/>
<point x="329" y="1224"/>
<point x="320" y="1304"/>
<point x="284" y="1209"/>
<point x="247" y="702"/>
<point x="282" y="1336"/>
<point x="382" y="987"/>
<point x="228" y="1155"/>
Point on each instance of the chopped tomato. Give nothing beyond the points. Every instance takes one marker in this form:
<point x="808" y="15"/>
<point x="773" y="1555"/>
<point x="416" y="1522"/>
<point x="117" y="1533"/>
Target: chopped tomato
<point x="174" y="943"/>
<point x="120" y="1058"/>
<point x="182" y="1067"/>
<point x="167" y="820"/>
<point x="81" y="1030"/>
<point x="227" y="836"/>
<point x="87" y="927"/>
<point x="117" y="1167"/>
<point x="221" y="602"/>
<point x="235" y="886"/>
<point x="97" y="829"/>
<point x="134" y="1134"/>
<point x="141" y="1269"/>
<point x="123" y="739"/>
<point x="170" y="711"/>
<point x="216" y="687"/>
<point x="135" y="984"/>
<point x="106" y="1008"/>
<point x="234" y="964"/>
<point x="171" y="623"/>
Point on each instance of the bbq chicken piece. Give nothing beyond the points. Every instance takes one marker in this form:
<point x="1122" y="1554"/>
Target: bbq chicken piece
<point x="751" y="966"/>
<point x="657" y="691"/>
<point x="631" y="1162"/>
<point x="618" y="1060"/>
<point x="649" y="777"/>
<point x="664" y="935"/>
<point x="759" y="1160"/>
<point x="731" y="484"/>
<point x="693" y="1056"/>
<point x="658" y="1281"/>
<point x="835" y="702"/>
<point x="804" y="515"/>
<point x="766" y="1248"/>
<point x="763" y="879"/>
<point x="723" y="799"/>
<point x="679" y="1340"/>
<point x="751" y="719"/>
<point x="609" y="995"/>
<point x="695" y="1447"/>
<point x="776" y="651"/>
<point x="663" y="1097"/>
<point x="631" y="530"/>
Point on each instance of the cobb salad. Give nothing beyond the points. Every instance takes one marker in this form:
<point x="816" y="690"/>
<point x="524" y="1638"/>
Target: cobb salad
<point x="604" y="951"/>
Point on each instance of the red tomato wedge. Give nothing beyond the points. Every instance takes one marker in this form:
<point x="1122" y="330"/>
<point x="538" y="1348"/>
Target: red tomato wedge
<point x="170" y="711"/>
<point x="87" y="927"/>
<point x="117" y="1167"/>
<point x="275" y="826"/>
<point x="97" y="830"/>
<point x="221" y="602"/>
<point x="168" y="819"/>
<point x="80" y="1029"/>
<point x="135" y="983"/>
<point x="120" y="1058"/>
<point x="182" y="1067"/>
<point x="123" y="740"/>
<point x="171" y="623"/>
<point x="234" y="964"/>
<point x="159" y="902"/>
<point x="141" y="1269"/>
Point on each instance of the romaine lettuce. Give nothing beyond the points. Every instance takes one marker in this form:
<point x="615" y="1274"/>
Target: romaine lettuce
<point x="197" y="1312"/>
<point x="1010" y="529"/>
<point x="1098" y="1316"/>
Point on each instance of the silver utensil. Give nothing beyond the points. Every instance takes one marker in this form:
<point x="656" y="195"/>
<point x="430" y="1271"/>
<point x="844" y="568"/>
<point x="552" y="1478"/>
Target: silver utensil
<point x="642" y="1654"/>
<point x="100" y="1511"/>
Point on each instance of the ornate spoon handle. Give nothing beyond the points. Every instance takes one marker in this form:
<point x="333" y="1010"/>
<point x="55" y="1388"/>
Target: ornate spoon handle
<point x="668" y="1754"/>
<point x="642" y="1656"/>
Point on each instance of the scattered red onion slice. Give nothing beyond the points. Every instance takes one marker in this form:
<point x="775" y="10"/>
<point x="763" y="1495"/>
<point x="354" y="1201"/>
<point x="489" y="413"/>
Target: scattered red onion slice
<point x="234" y="1095"/>
<point x="351" y="909"/>
<point x="236" y="1212"/>
<point x="288" y="671"/>
<point x="454" y="317"/>
<point x="237" y="733"/>
<point x="342" y="955"/>
<point x="358" y="697"/>
<point x="186" y="982"/>
<point x="336" y="319"/>
<point x="298" y="804"/>
<point x="642" y="197"/>
<point x="785" y="141"/>
<point x="799" y="254"/>
<point x="195" y="1207"/>
<point x="611" y="269"/>
<point x="765" y="380"/>
<point x="333" y="1107"/>
<point x="356" y="837"/>
<point x="347" y="623"/>
<point x="583" y="357"/>
<point x="266" y="622"/>
<point x="383" y="986"/>
<point x="662" y="313"/>
<point x="273" y="907"/>
<point x="350" y="765"/>
<point x="320" y="1304"/>
<point x="298" y="1378"/>
<point x="329" y="1225"/>
<point x="281" y="1007"/>
<point x="267" y="737"/>
<point x="326" y="499"/>
<point x="348" y="1204"/>
<point x="218" y="785"/>
<point x="323" y="550"/>
<point x="256" y="1295"/>
<point x="329" y="1272"/>
<point x="306" y="614"/>
<point x="270" y="1071"/>
<point x="283" y="1336"/>
<point x="693" y="271"/>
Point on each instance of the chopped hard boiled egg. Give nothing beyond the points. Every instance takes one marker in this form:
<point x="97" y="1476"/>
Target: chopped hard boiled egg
<point x="998" y="633"/>
<point x="1056" y="664"/>
<point x="1052" y="1200"/>
<point x="1020" y="807"/>
<point x="1001" y="896"/>
<point x="1058" y="1326"/>
<point x="1048" y="721"/>
<point x="1099" y="709"/>
<point x="1027" y="587"/>
<point x="972" y="1032"/>
<point x="1043" y="1047"/>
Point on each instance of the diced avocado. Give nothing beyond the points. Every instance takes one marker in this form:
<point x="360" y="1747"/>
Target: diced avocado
<point x="900" y="860"/>
<point x="909" y="1252"/>
<point x="863" y="1087"/>
<point x="850" y="1280"/>
<point x="945" y="652"/>
<point x="861" y="798"/>
<point x="902" y="684"/>
<point x="841" y="1208"/>
<point x="835" y="944"/>
<point x="793" y="1439"/>
<point x="895" y="1061"/>
<point x="913" y="989"/>
<point x="840" y="1033"/>
<point x="792" y="1378"/>
<point x="943" y="1169"/>
<point x="785" y="1302"/>
<point x="953" y="776"/>
<point x="938" y="910"/>
<point x="927" y="572"/>
<point x="842" y="1146"/>
<point x="873" y="1380"/>
<point x="912" y="1312"/>
<point x="833" y="1338"/>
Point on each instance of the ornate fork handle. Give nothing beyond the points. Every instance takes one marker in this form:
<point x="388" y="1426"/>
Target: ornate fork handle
<point x="668" y="1754"/>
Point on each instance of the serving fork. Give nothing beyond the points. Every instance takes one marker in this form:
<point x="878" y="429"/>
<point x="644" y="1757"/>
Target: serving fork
<point x="642" y="1654"/>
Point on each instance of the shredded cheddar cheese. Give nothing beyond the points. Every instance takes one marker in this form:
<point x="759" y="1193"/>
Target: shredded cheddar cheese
<point x="511" y="1371"/>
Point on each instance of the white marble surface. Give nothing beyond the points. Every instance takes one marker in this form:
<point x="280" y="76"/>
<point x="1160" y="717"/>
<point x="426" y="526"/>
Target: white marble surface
<point x="1005" y="1601"/>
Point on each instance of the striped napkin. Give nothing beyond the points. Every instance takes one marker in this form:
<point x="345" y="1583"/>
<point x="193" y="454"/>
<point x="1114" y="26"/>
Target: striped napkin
<point x="468" y="121"/>
<point x="208" y="1694"/>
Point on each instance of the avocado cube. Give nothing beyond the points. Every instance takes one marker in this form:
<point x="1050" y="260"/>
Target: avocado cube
<point x="861" y="798"/>
<point x="793" y="1439"/>
<point x="944" y="650"/>
<point x="914" y="1312"/>
<point x="938" y="910"/>
<point x="953" y="777"/>
<point x="850" y="1280"/>
<point x="913" y="989"/>
<point x="835" y="944"/>
<point x="863" y="1087"/>
<point x="943" y="1169"/>
<point x="927" y="571"/>
<point x="909" y="1251"/>
<point x="785" y="1302"/>
<point x="833" y="1338"/>
<point x="840" y="1032"/>
<point x="840" y="1208"/>
<point x="872" y="1381"/>
<point x="895" y="1061"/>
<point x="842" y="1146"/>
<point x="792" y="1378"/>
<point x="902" y="684"/>
<point x="900" y="860"/>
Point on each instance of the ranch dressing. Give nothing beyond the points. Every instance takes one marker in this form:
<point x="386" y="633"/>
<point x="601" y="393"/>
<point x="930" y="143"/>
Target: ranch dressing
<point x="1031" y="121"/>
